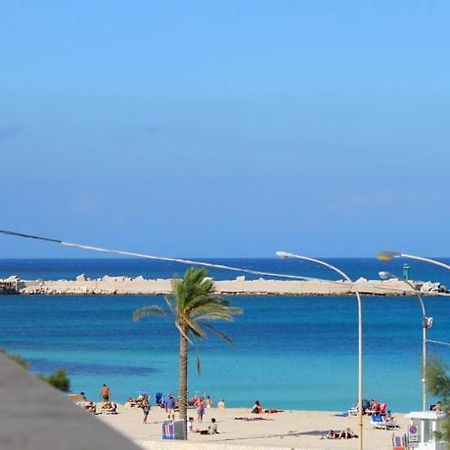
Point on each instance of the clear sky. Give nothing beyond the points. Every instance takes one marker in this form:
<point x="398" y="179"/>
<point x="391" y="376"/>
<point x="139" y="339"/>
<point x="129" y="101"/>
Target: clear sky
<point x="226" y="128"/>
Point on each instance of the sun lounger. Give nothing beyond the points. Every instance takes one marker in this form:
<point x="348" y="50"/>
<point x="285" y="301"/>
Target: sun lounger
<point x="379" y="421"/>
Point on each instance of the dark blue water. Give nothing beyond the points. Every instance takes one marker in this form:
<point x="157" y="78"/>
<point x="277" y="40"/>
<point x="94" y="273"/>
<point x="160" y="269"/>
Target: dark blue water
<point x="292" y="352"/>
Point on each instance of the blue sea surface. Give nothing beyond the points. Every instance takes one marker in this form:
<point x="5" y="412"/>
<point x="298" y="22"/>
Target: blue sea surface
<point x="292" y="352"/>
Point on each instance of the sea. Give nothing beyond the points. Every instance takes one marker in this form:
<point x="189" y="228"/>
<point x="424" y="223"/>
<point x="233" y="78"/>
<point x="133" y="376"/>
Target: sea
<point x="290" y="353"/>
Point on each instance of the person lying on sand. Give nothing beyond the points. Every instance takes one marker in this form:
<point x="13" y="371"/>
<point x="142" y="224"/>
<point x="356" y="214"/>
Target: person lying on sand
<point x="109" y="407"/>
<point x="88" y="404"/>
<point x="344" y="434"/>
<point x="250" y="419"/>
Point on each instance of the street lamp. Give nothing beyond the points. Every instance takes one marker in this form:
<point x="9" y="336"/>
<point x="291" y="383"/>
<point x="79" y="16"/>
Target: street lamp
<point x="389" y="256"/>
<point x="287" y="255"/>
<point x="427" y="322"/>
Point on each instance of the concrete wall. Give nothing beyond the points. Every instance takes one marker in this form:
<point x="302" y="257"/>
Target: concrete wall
<point x="34" y="416"/>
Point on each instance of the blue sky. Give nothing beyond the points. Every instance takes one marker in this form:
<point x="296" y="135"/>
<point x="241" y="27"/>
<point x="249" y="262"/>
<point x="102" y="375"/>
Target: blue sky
<point x="226" y="128"/>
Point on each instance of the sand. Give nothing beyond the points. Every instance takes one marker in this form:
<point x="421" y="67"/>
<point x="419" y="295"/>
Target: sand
<point x="289" y="429"/>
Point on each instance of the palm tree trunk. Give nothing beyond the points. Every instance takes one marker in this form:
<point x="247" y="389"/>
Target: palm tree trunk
<point x="183" y="379"/>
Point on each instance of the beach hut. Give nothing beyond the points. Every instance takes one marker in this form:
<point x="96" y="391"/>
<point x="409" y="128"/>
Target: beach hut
<point x="424" y="430"/>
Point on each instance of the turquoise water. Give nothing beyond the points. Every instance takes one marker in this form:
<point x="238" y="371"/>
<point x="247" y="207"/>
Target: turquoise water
<point x="292" y="352"/>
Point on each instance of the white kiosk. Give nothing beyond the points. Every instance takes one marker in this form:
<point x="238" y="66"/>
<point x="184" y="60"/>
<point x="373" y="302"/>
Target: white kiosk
<point x="424" y="429"/>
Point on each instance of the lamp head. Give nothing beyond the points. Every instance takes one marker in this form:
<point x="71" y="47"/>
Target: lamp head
<point x="283" y="255"/>
<point x="387" y="256"/>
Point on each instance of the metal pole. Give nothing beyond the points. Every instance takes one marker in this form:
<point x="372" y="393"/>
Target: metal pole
<point x="360" y="334"/>
<point x="424" y="352"/>
<point x="424" y="366"/>
<point x="360" y="372"/>
<point x="425" y="325"/>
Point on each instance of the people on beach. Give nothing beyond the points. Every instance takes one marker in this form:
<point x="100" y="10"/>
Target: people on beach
<point x="344" y="434"/>
<point x="208" y="402"/>
<point x="105" y="392"/>
<point x="389" y="417"/>
<point x="170" y="407"/>
<point x="145" y="407"/>
<point x="200" y="409"/>
<point x="257" y="408"/>
<point x="438" y="407"/>
<point x="212" y="429"/>
<point x="88" y="404"/>
<point x="159" y="398"/>
<point x="221" y="404"/>
<point x="190" y="426"/>
<point x="131" y="402"/>
<point x="374" y="407"/>
<point x="109" y="407"/>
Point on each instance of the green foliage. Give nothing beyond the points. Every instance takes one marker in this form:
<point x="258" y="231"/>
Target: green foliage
<point x="192" y="303"/>
<point x="438" y="385"/>
<point x="58" y="380"/>
<point x="438" y="382"/>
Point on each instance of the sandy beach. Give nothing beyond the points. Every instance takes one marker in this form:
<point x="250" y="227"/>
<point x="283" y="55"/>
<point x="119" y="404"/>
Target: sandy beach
<point x="289" y="429"/>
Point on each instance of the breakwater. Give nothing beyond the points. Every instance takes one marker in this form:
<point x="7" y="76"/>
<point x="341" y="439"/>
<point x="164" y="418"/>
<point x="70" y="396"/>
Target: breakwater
<point x="123" y="285"/>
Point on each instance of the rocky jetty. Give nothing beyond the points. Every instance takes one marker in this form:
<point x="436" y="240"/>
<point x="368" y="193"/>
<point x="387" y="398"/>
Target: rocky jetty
<point x="122" y="285"/>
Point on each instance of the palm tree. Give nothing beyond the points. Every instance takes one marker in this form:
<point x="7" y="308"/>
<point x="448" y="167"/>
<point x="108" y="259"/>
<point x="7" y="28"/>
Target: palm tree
<point x="192" y="303"/>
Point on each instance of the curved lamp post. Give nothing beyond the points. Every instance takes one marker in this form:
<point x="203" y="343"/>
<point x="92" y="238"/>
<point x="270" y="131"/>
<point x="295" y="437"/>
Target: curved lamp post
<point x="287" y="255"/>
<point x="388" y="256"/>
<point x="427" y="322"/>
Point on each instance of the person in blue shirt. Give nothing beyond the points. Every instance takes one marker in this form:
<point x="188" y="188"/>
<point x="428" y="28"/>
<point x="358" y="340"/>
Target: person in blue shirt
<point x="170" y="407"/>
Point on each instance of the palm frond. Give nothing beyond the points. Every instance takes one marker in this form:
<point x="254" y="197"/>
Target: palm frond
<point x="222" y="335"/>
<point x="152" y="310"/>
<point x="216" y="312"/>
<point x="194" y="328"/>
<point x="171" y="304"/>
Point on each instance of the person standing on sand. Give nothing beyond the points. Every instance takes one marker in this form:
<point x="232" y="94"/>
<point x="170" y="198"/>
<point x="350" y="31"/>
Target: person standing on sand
<point x="170" y="407"/>
<point x="105" y="392"/>
<point x="200" y="410"/>
<point x="145" y="407"/>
